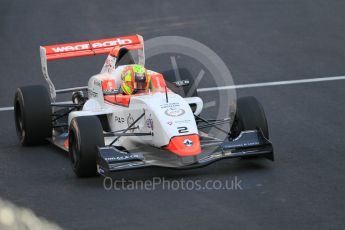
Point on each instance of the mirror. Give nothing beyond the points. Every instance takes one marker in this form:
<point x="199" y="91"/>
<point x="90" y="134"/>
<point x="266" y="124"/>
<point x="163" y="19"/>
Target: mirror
<point x="181" y="83"/>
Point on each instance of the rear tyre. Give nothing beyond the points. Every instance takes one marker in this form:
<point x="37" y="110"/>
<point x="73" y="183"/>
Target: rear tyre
<point x="85" y="135"/>
<point x="32" y="114"/>
<point x="250" y="115"/>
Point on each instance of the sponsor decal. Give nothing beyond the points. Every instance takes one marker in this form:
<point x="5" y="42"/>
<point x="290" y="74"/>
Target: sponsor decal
<point x="119" y="119"/>
<point x="109" y="64"/>
<point x="95" y="45"/>
<point x="130" y="120"/>
<point x="97" y="82"/>
<point x="174" y="112"/>
<point x="122" y="158"/>
<point x="188" y="142"/>
<point x="182" y="121"/>
<point x="149" y="123"/>
<point x="170" y="105"/>
<point x="92" y="93"/>
<point x="178" y="122"/>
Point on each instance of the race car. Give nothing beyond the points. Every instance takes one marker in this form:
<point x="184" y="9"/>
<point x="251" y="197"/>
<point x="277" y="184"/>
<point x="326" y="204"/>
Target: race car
<point x="104" y="130"/>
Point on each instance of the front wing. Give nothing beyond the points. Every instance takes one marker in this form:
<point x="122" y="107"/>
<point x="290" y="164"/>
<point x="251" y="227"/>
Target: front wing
<point x="247" y="144"/>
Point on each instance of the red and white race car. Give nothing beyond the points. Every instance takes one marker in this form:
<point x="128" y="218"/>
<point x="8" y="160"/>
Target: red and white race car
<point x="104" y="130"/>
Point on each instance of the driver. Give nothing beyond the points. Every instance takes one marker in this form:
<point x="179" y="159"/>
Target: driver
<point x="134" y="78"/>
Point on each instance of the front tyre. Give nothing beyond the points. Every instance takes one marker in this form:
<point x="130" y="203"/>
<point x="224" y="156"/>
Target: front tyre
<point x="85" y="135"/>
<point x="250" y="115"/>
<point x="32" y="114"/>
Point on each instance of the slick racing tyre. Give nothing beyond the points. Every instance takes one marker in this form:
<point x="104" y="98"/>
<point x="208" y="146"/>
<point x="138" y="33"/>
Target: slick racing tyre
<point x="250" y="115"/>
<point x="85" y="135"/>
<point x="32" y="114"/>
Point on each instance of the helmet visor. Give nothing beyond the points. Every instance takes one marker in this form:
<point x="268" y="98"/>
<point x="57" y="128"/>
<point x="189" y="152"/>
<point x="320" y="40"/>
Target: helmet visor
<point x="140" y="81"/>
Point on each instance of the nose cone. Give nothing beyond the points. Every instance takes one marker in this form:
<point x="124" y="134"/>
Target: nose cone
<point x="188" y="145"/>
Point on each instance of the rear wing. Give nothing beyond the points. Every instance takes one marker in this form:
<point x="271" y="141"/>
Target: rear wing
<point x="87" y="48"/>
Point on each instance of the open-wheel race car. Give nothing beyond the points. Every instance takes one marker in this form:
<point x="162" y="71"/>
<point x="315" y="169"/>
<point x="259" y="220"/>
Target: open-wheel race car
<point x="105" y="130"/>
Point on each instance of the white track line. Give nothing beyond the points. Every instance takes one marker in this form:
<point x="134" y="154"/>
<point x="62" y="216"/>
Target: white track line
<point x="11" y="108"/>
<point x="274" y="83"/>
<point x="6" y="109"/>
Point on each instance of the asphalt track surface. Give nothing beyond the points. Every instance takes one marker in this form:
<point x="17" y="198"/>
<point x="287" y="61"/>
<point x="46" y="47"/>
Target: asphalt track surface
<point x="261" y="41"/>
